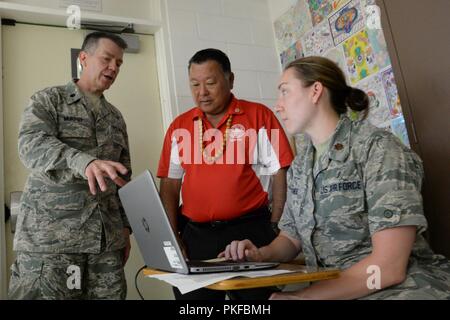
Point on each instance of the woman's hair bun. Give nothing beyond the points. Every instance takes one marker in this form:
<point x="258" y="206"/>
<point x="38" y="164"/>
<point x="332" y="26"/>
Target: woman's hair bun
<point x="357" y="99"/>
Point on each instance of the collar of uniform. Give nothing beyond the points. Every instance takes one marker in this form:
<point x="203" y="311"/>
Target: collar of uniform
<point x="74" y="94"/>
<point x="234" y="108"/>
<point x="339" y="147"/>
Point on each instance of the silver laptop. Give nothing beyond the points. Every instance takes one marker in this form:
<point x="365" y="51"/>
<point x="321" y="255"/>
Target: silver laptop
<point x="155" y="237"/>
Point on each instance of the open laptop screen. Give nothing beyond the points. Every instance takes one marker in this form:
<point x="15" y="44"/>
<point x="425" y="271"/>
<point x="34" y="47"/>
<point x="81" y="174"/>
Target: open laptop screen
<point x="155" y="237"/>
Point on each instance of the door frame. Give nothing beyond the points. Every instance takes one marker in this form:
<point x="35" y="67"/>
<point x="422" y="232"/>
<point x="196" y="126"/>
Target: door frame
<point x="3" y="266"/>
<point x="399" y="79"/>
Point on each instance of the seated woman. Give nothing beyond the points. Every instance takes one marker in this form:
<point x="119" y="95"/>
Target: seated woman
<point x="354" y="198"/>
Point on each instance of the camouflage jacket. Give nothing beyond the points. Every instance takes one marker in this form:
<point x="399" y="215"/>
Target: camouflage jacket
<point x="365" y="182"/>
<point x="60" y="134"/>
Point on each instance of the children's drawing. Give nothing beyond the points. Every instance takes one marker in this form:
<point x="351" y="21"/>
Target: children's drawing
<point x="349" y="33"/>
<point x="398" y="128"/>
<point x="337" y="55"/>
<point x="379" y="114"/>
<point x="317" y="41"/>
<point x="378" y="43"/>
<point x="285" y="32"/>
<point x="301" y="18"/>
<point x="391" y="92"/>
<point x="320" y="9"/>
<point x="359" y="56"/>
<point x="292" y="53"/>
<point x="346" y="21"/>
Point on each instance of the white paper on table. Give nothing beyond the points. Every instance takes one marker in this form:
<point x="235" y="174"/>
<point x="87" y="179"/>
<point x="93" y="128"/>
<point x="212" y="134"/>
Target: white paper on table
<point x="190" y="282"/>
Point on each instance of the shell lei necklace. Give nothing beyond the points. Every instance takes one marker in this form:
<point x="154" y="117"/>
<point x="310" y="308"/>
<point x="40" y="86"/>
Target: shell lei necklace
<point x="219" y="153"/>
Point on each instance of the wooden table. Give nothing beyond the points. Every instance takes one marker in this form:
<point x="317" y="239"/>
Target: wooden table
<point x="301" y="274"/>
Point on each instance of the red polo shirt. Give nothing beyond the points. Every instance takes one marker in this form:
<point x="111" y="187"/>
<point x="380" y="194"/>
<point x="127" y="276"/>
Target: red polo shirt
<point x="226" y="182"/>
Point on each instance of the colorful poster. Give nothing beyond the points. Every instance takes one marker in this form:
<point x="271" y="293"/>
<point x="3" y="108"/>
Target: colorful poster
<point x="391" y="92"/>
<point x="317" y="41"/>
<point x="346" y="21"/>
<point x="398" y="128"/>
<point x="366" y="3"/>
<point x="302" y="18"/>
<point x="320" y="9"/>
<point x="378" y="43"/>
<point x="292" y="53"/>
<point x="379" y="114"/>
<point x="337" y="55"/>
<point x="349" y="33"/>
<point x="292" y="25"/>
<point x="285" y="30"/>
<point x="359" y="56"/>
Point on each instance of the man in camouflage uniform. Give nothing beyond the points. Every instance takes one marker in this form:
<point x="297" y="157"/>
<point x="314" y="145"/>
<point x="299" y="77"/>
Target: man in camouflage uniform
<point x="72" y="237"/>
<point x="364" y="182"/>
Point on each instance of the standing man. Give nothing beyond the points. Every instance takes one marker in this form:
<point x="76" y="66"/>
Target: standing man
<point x="72" y="239"/>
<point x="228" y="157"/>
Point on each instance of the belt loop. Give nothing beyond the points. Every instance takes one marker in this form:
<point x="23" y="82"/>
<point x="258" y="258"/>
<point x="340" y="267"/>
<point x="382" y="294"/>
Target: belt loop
<point x="219" y="223"/>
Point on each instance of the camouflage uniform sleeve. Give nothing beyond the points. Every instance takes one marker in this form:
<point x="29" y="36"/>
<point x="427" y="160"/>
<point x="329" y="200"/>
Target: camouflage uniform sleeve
<point x="39" y="147"/>
<point x="287" y="222"/>
<point x="125" y="159"/>
<point x="393" y="180"/>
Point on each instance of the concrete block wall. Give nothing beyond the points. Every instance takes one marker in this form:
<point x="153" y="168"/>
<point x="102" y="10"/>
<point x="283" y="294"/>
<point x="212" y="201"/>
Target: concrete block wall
<point x="241" y="28"/>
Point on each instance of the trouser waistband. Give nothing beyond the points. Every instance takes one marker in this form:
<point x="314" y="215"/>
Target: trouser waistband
<point x="260" y="213"/>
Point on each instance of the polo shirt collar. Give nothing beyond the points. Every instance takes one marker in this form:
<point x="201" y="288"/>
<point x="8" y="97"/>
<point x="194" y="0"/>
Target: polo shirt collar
<point x="233" y="108"/>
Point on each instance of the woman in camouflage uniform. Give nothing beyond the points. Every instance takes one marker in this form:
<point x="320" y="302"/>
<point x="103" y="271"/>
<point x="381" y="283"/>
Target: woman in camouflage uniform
<point x="354" y="197"/>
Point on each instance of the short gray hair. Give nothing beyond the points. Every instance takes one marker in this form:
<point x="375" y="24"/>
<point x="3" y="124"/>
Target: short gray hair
<point x="91" y="41"/>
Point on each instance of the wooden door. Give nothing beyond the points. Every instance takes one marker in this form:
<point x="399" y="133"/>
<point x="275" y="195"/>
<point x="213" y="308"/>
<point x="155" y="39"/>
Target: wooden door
<point x="418" y="36"/>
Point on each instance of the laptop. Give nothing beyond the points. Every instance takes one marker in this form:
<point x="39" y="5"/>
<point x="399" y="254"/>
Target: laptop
<point x="155" y="237"/>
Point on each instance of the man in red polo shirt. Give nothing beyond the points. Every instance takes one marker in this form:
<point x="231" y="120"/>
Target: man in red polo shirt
<point x="228" y="157"/>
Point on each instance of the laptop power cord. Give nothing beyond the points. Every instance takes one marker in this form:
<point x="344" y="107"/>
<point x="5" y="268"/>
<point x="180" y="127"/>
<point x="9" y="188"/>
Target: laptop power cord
<point x="136" y="282"/>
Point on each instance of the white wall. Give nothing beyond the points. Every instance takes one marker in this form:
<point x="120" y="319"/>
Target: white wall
<point x="139" y="9"/>
<point x="278" y="7"/>
<point x="241" y="28"/>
